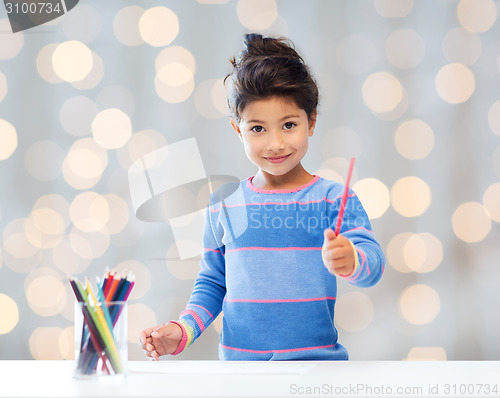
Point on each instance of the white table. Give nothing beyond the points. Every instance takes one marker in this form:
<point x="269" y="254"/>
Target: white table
<point x="256" y="379"/>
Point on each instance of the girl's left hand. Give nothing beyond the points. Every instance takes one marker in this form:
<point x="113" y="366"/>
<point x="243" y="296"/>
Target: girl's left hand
<point x="337" y="253"/>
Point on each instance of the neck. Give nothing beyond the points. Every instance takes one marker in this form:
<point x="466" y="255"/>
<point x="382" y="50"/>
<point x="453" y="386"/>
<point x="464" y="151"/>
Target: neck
<point x="293" y="179"/>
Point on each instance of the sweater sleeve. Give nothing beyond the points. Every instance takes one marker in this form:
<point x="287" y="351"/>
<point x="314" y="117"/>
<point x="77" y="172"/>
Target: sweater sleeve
<point x="209" y="288"/>
<point x="370" y="260"/>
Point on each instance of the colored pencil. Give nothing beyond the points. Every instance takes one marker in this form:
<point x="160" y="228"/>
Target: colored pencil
<point x="344" y="199"/>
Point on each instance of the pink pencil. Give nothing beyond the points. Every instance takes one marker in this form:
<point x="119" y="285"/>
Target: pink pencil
<point x="344" y="199"/>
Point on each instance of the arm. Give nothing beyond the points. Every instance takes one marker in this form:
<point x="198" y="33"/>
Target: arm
<point x="203" y="307"/>
<point x="354" y="255"/>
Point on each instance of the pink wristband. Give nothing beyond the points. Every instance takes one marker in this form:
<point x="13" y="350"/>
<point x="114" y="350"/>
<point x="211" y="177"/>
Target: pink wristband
<point x="183" y="342"/>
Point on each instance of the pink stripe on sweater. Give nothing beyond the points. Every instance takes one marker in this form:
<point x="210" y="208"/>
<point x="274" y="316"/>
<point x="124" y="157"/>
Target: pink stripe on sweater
<point x="198" y="320"/>
<point x="279" y="301"/>
<point x="277" y="351"/>
<point x="211" y="250"/>
<point x="203" y="308"/>
<point x="272" y="248"/>
<point x="354" y="229"/>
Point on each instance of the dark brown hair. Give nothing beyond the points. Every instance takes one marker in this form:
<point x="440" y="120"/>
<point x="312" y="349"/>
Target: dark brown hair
<point x="270" y="67"/>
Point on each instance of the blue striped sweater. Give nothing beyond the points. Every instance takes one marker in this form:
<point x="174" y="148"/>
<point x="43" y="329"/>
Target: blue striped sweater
<point x="262" y="267"/>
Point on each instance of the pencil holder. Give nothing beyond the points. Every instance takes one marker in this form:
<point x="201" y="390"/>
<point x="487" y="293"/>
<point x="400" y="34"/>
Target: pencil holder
<point x="101" y="346"/>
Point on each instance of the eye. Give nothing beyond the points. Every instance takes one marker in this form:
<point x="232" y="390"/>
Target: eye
<point x="257" y="129"/>
<point x="289" y="125"/>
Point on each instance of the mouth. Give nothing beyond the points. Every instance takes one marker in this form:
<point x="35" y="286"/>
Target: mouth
<point x="278" y="159"/>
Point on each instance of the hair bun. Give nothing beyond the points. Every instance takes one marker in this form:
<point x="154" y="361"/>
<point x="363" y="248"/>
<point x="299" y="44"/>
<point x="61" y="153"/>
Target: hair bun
<point x="257" y="45"/>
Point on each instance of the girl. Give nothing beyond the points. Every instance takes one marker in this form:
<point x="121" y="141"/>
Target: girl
<point x="271" y="260"/>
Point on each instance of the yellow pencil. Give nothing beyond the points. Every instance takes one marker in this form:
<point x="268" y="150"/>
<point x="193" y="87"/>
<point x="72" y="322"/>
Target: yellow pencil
<point x="103" y="330"/>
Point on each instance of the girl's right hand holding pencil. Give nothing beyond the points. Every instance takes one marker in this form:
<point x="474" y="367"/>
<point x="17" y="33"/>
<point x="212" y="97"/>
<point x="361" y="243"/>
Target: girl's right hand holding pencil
<point x="160" y="340"/>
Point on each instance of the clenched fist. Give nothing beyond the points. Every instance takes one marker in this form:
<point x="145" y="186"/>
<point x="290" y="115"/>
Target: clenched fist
<point x="338" y="254"/>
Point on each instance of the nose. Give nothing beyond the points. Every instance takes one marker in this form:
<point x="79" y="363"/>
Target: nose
<point x="275" y="142"/>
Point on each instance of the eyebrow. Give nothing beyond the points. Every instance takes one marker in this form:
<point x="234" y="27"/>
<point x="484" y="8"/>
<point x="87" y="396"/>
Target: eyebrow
<point x="282" y="119"/>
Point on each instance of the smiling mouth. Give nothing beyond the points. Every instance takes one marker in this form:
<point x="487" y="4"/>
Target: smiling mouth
<point x="278" y="159"/>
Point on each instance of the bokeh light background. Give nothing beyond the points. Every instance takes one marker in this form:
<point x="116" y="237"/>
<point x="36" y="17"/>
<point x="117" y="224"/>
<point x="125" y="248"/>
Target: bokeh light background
<point x="410" y="88"/>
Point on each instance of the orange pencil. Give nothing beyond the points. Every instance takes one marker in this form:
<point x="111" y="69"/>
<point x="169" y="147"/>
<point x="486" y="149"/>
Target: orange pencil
<point x="114" y="285"/>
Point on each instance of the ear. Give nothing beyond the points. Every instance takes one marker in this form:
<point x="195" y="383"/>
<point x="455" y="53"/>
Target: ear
<point x="236" y="128"/>
<point x="312" y="123"/>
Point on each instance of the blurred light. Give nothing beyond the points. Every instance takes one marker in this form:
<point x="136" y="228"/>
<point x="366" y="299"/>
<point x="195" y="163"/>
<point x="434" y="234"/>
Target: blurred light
<point x="72" y="61"/>
<point x="116" y="96"/>
<point x="491" y="200"/>
<point x="382" y="92"/>
<point x="212" y="1"/>
<point x="477" y="15"/>
<point x="181" y="269"/>
<point x="3" y="86"/>
<point x="118" y="213"/>
<point x="174" y="74"/>
<point x="374" y="196"/>
<point x="83" y="24"/>
<point x="8" y="138"/>
<point x="341" y="141"/>
<point x="455" y="83"/>
<point x="67" y="343"/>
<point x="10" y="44"/>
<point x="50" y="225"/>
<point x="94" y="77"/>
<point x="77" y="114"/>
<point x="142" y="277"/>
<point x="427" y="354"/>
<point x="393" y="8"/>
<point x="257" y="14"/>
<point x="494" y="118"/>
<point x="356" y="54"/>
<point x="419" y="304"/>
<point x="44" y="64"/>
<point x="84" y="164"/>
<point x="423" y="252"/>
<point x="15" y="241"/>
<point x="414" y="139"/>
<point x="336" y="168"/>
<point x="56" y="203"/>
<point x="44" y="343"/>
<point x="218" y="96"/>
<point x="43" y="160"/>
<point x="89" y="245"/>
<point x="354" y="311"/>
<point x="140" y="317"/>
<point x="175" y="55"/>
<point x="126" y="25"/>
<point x="1" y="263"/>
<point x="210" y="99"/>
<point x="89" y="212"/>
<point x="140" y="144"/>
<point x="471" y="222"/>
<point x="46" y="295"/>
<point x="174" y="92"/>
<point x="328" y="174"/>
<point x="158" y="26"/>
<point x="410" y="196"/>
<point x="67" y="260"/>
<point x="462" y="46"/>
<point x="395" y="254"/>
<point x="405" y="48"/>
<point x="111" y="128"/>
<point x="9" y="314"/>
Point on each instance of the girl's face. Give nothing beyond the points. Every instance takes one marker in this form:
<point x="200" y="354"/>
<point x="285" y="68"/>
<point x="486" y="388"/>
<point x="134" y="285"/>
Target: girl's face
<point x="275" y="133"/>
